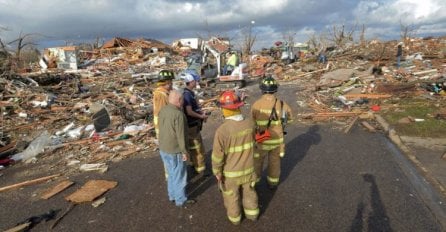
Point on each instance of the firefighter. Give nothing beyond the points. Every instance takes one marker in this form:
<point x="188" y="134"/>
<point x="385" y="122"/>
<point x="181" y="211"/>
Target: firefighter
<point x="161" y="95"/>
<point x="233" y="161"/>
<point x="274" y="147"/>
<point x="160" y="99"/>
<point x="195" y="119"/>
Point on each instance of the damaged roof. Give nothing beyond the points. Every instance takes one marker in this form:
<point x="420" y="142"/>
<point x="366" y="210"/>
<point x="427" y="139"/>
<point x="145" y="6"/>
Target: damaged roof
<point x="142" y="43"/>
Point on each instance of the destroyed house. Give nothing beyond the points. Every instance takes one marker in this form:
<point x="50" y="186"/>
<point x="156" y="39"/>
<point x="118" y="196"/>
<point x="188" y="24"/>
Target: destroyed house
<point x="140" y="46"/>
<point x="64" y="57"/>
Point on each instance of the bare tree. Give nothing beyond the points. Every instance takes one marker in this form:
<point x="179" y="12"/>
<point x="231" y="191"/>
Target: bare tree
<point x="21" y="42"/>
<point x="340" y="35"/>
<point x="407" y="31"/>
<point x="2" y="44"/>
<point x="318" y="41"/>
<point x="288" y="36"/>
<point x="99" y="41"/>
<point x="362" y="36"/>
<point x="249" y="39"/>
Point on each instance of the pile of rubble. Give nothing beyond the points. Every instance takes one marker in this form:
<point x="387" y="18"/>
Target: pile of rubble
<point x="101" y="110"/>
<point x="361" y="78"/>
<point x="84" y="117"/>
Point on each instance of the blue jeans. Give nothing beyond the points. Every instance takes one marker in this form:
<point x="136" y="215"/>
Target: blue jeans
<point x="227" y="68"/>
<point x="322" y="59"/>
<point x="398" y="61"/>
<point x="176" y="183"/>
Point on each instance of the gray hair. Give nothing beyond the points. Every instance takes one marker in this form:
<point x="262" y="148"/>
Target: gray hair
<point x="175" y="97"/>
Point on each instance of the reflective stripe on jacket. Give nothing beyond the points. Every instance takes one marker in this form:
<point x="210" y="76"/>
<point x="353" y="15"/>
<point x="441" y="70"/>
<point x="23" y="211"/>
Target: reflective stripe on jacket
<point x="233" y="150"/>
<point x="261" y="111"/>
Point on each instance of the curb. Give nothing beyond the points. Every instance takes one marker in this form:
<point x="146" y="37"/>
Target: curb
<point x="433" y="204"/>
<point x="395" y="138"/>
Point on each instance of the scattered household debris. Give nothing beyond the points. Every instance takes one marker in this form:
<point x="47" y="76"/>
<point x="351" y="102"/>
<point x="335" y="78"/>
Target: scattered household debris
<point x="87" y="107"/>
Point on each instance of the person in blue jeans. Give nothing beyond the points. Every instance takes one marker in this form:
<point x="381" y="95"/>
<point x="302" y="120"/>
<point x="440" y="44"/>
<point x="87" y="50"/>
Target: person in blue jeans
<point x="173" y="148"/>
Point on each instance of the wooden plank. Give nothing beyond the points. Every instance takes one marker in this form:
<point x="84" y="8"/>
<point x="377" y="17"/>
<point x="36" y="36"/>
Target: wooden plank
<point x="5" y="103"/>
<point x="369" y="96"/>
<point x="431" y="71"/>
<point x="129" y="152"/>
<point x="56" y="189"/>
<point x="349" y="127"/>
<point x="71" y="207"/>
<point x="8" y="147"/>
<point x="91" y="190"/>
<point x="19" y="228"/>
<point x="29" y="182"/>
<point x="100" y="156"/>
<point x="368" y="126"/>
<point x="336" y="114"/>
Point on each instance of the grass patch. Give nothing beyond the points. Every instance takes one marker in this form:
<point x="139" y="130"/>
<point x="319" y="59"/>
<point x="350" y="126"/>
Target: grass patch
<point x="417" y="109"/>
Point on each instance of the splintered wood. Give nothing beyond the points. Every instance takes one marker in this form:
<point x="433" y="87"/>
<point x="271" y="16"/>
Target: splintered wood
<point x="91" y="190"/>
<point x="56" y="189"/>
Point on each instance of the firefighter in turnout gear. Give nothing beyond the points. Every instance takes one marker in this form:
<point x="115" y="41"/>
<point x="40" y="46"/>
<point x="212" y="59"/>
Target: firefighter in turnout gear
<point x="195" y="119"/>
<point x="233" y="160"/>
<point x="161" y="95"/>
<point x="269" y="110"/>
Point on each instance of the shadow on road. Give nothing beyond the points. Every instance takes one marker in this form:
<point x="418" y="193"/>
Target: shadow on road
<point x="377" y="219"/>
<point x="198" y="185"/>
<point x="296" y="150"/>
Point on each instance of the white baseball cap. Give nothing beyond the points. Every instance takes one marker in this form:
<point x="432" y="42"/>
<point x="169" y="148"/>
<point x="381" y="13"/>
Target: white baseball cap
<point x="187" y="77"/>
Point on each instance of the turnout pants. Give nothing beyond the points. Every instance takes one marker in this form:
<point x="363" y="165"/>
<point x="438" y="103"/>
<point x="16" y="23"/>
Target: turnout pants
<point x="273" y="170"/>
<point x="196" y="149"/>
<point x="232" y="193"/>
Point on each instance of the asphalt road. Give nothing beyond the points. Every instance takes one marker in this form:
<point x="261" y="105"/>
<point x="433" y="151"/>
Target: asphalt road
<point x="330" y="181"/>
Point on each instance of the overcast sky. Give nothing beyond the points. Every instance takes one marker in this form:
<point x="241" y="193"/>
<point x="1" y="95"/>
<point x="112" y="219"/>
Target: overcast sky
<point x="168" y="20"/>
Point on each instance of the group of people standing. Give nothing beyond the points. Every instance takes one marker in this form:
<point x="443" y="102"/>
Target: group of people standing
<point x="237" y="155"/>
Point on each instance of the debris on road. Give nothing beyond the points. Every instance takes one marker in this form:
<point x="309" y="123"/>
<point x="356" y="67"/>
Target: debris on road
<point x="28" y="182"/>
<point x="91" y="190"/>
<point x="56" y="189"/>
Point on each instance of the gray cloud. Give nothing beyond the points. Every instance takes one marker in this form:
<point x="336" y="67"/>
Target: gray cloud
<point x="173" y="19"/>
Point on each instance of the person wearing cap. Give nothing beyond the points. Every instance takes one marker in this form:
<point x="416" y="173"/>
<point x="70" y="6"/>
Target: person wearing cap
<point x="269" y="112"/>
<point x="161" y="95"/>
<point x="233" y="160"/>
<point x="195" y="119"/>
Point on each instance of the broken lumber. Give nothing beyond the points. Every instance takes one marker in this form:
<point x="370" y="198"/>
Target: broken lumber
<point x="29" y="182"/>
<point x="91" y="190"/>
<point x="331" y="114"/>
<point x="19" y="228"/>
<point x="349" y="127"/>
<point x="63" y="215"/>
<point x="368" y="96"/>
<point x="425" y="72"/>
<point x="368" y="126"/>
<point x="56" y="189"/>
